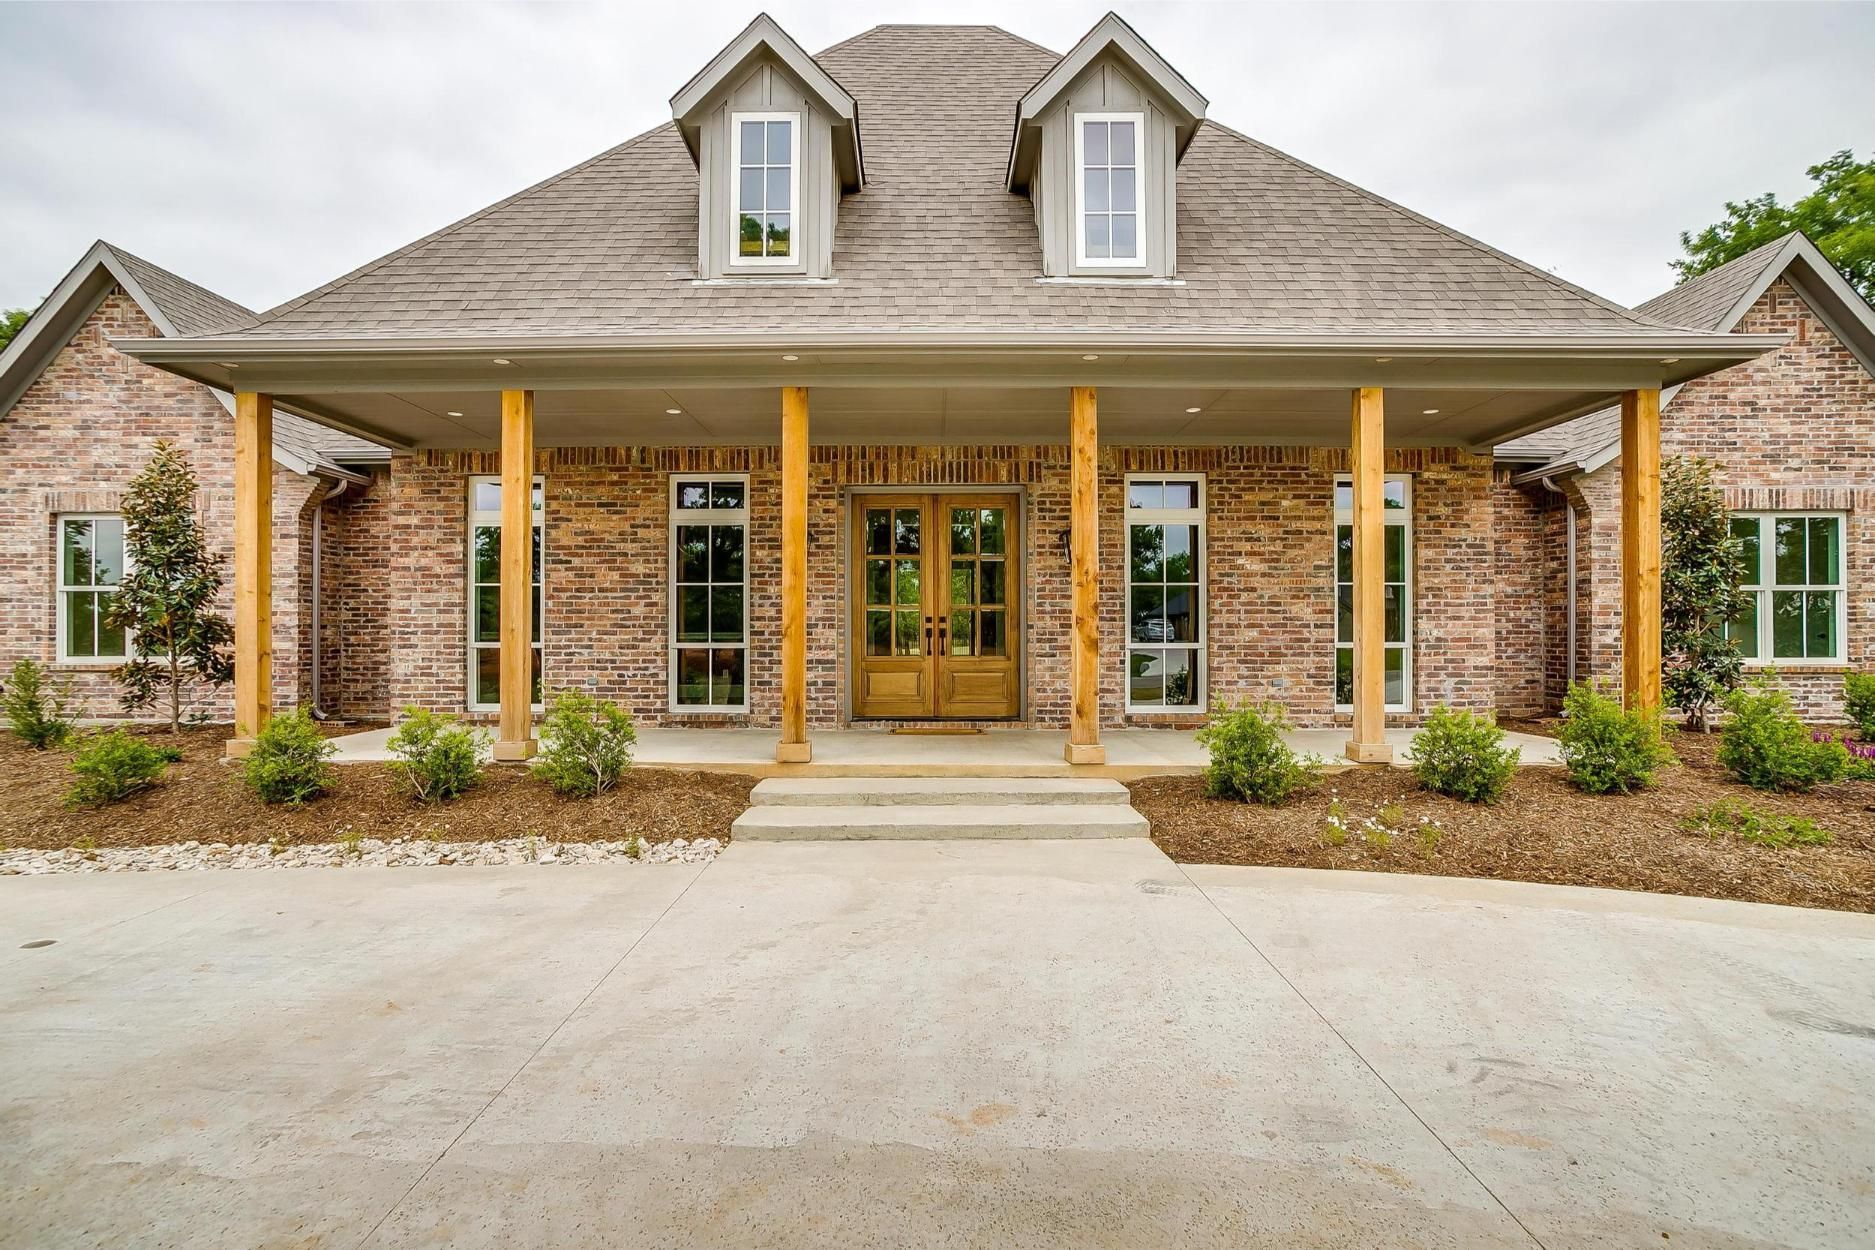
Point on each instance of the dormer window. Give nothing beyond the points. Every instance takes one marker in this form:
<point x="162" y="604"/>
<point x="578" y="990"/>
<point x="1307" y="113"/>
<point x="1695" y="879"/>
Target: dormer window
<point x="1106" y="161"/>
<point x="767" y="161"/>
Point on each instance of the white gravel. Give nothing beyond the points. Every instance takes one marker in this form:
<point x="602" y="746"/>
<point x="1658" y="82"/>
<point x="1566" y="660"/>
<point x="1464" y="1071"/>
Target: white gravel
<point x="365" y="853"/>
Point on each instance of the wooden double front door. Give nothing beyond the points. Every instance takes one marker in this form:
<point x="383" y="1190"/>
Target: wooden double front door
<point x="936" y="591"/>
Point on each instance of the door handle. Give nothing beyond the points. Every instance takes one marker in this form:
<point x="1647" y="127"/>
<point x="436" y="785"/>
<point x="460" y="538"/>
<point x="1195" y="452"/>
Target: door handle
<point x="927" y="635"/>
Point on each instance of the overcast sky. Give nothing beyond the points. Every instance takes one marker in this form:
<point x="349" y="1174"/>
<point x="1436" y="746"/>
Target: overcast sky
<point x="262" y="149"/>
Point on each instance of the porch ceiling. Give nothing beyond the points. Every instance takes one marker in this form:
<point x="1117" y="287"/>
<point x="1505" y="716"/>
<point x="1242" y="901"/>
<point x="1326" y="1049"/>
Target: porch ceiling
<point x="1471" y="393"/>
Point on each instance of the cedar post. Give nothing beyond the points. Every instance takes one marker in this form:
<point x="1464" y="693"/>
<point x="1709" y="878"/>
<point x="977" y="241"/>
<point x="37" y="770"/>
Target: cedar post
<point x="1367" y="463"/>
<point x="515" y="739"/>
<point x="253" y="568"/>
<point x="1640" y="549"/>
<point x="794" y="747"/>
<point x="1084" y="535"/>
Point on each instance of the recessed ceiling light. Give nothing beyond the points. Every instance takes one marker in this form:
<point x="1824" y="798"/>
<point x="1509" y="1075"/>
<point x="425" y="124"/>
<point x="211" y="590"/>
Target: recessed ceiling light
<point x="503" y="360"/>
<point x="1383" y="360"/>
<point x="454" y="413"/>
<point x="673" y="412"/>
<point x="1671" y="360"/>
<point x="1090" y="356"/>
<point x="1428" y="412"/>
<point x="229" y="364"/>
<point x="790" y="356"/>
<point x="1194" y="410"/>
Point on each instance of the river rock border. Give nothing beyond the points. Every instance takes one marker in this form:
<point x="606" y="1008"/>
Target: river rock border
<point x="363" y="853"/>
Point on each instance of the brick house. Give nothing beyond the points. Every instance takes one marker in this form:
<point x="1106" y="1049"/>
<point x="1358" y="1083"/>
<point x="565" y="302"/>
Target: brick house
<point x="78" y="420"/>
<point x="1793" y="436"/>
<point x="1116" y="415"/>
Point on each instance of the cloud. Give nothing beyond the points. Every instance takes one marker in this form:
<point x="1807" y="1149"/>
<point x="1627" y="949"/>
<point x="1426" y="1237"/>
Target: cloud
<point x="265" y="149"/>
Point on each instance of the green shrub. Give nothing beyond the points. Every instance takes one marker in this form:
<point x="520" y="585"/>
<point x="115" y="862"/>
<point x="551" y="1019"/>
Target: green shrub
<point x="1764" y="828"/>
<point x="112" y="766"/>
<point x="1764" y="745"/>
<point x="288" y="762"/>
<point x="437" y="757"/>
<point x="1463" y="755"/>
<point x="1250" y="759"/>
<point x="1858" y="700"/>
<point x="1605" y="748"/>
<point x="585" y="744"/>
<point x="34" y="706"/>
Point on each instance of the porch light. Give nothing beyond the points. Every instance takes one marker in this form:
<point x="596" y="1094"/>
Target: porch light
<point x="1090" y="356"/>
<point x="1194" y="410"/>
<point x="1383" y="360"/>
<point x="503" y="360"/>
<point x="790" y="356"/>
<point x="673" y="412"/>
<point x="229" y="364"/>
<point x="1428" y="412"/>
<point x="452" y="413"/>
<point x="1671" y="360"/>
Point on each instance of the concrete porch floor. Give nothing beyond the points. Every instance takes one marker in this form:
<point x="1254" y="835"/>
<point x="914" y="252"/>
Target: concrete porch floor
<point x="1131" y="753"/>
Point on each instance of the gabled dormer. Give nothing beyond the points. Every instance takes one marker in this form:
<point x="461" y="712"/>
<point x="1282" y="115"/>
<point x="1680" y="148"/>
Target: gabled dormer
<point x="776" y="141"/>
<point x="1097" y="146"/>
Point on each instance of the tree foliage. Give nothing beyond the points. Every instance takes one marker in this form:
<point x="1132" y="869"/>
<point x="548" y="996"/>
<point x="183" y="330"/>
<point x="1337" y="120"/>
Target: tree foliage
<point x="166" y="600"/>
<point x="1701" y="566"/>
<point x="1838" y="214"/>
<point x="12" y="321"/>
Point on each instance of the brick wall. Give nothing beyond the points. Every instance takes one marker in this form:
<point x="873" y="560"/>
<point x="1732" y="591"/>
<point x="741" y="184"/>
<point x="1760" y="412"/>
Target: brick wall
<point x="72" y="443"/>
<point x="1526" y="585"/>
<point x="1270" y="571"/>
<point x="1793" y="430"/>
<point x="355" y="600"/>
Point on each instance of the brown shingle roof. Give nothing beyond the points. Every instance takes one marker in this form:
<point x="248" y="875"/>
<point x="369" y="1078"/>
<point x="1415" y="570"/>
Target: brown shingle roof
<point x="935" y="241"/>
<point x="1705" y="302"/>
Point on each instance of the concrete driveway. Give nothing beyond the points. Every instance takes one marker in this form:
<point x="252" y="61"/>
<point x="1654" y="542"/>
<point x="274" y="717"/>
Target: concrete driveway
<point x="985" y="1044"/>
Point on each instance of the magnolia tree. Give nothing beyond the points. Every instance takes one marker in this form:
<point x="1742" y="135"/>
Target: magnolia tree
<point x="165" y="603"/>
<point x="1701" y="566"/>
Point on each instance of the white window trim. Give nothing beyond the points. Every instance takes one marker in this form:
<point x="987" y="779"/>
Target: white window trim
<point x="1081" y="258"/>
<point x="1404" y="518"/>
<point x="1201" y="648"/>
<point x="60" y="588"/>
<point x="736" y="259"/>
<point x="1761" y="586"/>
<point x="705" y="516"/>
<point x="476" y="521"/>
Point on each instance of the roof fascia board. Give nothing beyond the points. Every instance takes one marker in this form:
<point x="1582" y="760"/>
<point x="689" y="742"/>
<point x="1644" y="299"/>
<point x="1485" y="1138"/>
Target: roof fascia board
<point x="765" y="34"/>
<point x="62" y="313"/>
<point x="1110" y="34"/>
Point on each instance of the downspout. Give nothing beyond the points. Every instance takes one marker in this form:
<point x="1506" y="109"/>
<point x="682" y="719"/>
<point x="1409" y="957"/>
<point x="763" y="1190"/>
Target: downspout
<point x="1569" y="581"/>
<point x="318" y="532"/>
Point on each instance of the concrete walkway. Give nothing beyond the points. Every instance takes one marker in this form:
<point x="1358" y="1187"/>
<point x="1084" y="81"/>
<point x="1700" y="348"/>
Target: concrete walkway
<point x="996" y="752"/>
<point x="889" y="1044"/>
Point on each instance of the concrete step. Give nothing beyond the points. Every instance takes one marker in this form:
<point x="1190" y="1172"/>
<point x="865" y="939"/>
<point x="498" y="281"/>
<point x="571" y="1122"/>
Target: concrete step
<point x="935" y="791"/>
<point x="940" y="820"/>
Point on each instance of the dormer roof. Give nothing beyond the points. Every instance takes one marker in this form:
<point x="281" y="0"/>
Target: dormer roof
<point x="1110" y="36"/>
<point x="764" y="37"/>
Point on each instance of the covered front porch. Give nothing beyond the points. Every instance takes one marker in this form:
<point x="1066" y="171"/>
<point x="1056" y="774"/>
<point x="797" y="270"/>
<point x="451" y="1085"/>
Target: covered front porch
<point x="1131" y="753"/>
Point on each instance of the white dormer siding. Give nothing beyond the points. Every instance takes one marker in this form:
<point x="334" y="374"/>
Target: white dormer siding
<point x="796" y="188"/>
<point x="1105" y="186"/>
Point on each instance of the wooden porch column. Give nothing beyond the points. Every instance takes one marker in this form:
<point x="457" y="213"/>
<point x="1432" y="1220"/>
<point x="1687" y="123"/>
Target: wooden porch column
<point x="794" y="747"/>
<point x="253" y="568"/>
<point x="1367" y="466"/>
<point x="1640" y="548"/>
<point x="515" y="740"/>
<point x="1084" y="535"/>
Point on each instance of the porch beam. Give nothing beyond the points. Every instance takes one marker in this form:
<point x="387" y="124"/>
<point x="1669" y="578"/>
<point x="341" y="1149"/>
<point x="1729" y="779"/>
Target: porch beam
<point x="1084" y="543"/>
<point x="253" y="568"/>
<point x="1367" y="467"/>
<point x="1640" y="548"/>
<point x="794" y="747"/>
<point x="515" y="738"/>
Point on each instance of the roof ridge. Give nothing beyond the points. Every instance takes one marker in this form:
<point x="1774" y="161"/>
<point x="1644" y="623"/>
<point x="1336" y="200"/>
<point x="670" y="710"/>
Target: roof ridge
<point x="881" y="26"/>
<point x="343" y="279"/>
<point x="1460" y="236"/>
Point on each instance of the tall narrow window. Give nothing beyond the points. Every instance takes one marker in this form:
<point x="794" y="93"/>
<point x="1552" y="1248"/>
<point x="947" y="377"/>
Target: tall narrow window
<point x="91" y="562"/>
<point x="766" y="159"/>
<point x="1106" y="159"/>
<point x="1397" y="543"/>
<point x="1794" y="588"/>
<point x="1165" y="594"/>
<point x="485" y="590"/>
<point x="709" y="594"/>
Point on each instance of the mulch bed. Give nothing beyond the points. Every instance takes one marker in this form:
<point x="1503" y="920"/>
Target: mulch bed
<point x="202" y="799"/>
<point x="1544" y="830"/>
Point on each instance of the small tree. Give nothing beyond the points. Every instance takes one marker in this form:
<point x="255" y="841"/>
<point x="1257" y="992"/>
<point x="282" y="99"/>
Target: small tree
<point x="1701" y="567"/>
<point x="166" y="601"/>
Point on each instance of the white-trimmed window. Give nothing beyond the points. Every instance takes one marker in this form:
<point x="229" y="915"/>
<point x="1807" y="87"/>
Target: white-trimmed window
<point x="765" y="154"/>
<point x="1397" y="573"/>
<point x="709" y="628"/>
<point x="1794" y="583"/>
<point x="1109" y="214"/>
<point x="1165" y="593"/>
<point x="485" y="590"/>
<point x="91" y="563"/>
